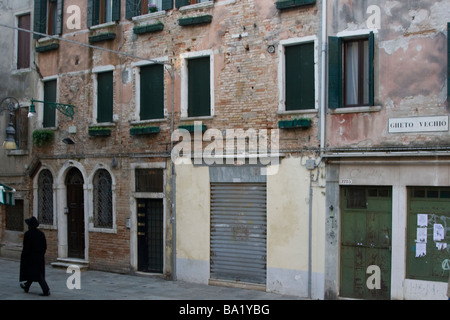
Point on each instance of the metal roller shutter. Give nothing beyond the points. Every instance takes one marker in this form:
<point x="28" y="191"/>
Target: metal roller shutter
<point x="238" y="232"/>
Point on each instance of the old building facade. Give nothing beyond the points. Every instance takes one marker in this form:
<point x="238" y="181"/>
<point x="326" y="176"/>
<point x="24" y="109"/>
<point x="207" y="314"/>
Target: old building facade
<point x="286" y="146"/>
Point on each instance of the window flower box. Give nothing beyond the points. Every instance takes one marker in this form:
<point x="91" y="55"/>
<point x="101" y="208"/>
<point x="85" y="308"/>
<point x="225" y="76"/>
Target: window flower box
<point x="144" y="130"/>
<point x="296" y="123"/>
<point x="99" y="132"/>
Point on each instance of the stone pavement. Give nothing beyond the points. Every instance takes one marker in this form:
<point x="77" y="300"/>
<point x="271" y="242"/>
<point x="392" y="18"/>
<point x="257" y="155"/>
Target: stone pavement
<point x="97" y="285"/>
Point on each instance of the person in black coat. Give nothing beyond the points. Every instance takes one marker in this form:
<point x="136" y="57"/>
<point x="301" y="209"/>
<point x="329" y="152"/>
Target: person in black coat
<point x="32" y="261"/>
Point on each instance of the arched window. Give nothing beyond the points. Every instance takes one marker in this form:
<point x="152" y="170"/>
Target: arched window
<point x="45" y="197"/>
<point x="103" y="216"/>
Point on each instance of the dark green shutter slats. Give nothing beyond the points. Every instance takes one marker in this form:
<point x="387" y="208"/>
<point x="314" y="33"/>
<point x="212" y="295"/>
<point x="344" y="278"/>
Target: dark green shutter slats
<point x="116" y="10"/>
<point x="49" y="118"/>
<point x="181" y="3"/>
<point x="132" y="9"/>
<point x="334" y="73"/>
<point x="371" y="69"/>
<point x="199" y="95"/>
<point x="152" y="92"/>
<point x="105" y="97"/>
<point x="59" y="17"/>
<point x="93" y="9"/>
<point x="167" y="4"/>
<point x="40" y="17"/>
<point x="300" y="84"/>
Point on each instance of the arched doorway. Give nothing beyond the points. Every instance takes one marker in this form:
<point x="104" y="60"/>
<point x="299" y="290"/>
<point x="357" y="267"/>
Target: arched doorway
<point x="75" y="215"/>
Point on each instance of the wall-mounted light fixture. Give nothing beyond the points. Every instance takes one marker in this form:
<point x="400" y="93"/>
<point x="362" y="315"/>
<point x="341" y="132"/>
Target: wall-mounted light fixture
<point x="66" y="109"/>
<point x="11" y="104"/>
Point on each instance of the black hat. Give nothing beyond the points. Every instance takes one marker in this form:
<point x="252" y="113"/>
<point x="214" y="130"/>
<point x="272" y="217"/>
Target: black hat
<point x="32" y="222"/>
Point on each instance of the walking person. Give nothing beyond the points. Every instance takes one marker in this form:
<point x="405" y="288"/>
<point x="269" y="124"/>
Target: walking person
<point x="32" y="261"/>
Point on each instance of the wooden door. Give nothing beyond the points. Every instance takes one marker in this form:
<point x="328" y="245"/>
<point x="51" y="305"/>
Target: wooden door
<point x="75" y="215"/>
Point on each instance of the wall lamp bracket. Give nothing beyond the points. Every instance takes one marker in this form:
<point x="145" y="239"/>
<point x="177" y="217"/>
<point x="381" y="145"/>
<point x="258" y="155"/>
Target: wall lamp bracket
<point x="66" y="109"/>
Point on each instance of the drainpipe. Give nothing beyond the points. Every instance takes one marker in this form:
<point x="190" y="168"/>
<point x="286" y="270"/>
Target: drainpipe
<point x="323" y="91"/>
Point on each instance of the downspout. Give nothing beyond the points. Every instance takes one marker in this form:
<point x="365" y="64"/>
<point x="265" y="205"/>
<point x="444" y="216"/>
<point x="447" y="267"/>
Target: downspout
<point x="173" y="218"/>
<point x="322" y="138"/>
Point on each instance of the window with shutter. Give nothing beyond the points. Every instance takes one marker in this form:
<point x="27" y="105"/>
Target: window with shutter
<point x="49" y="118"/>
<point x="299" y="77"/>
<point x="199" y="87"/>
<point x="105" y="97"/>
<point x="48" y="17"/>
<point x="103" y="11"/>
<point x="351" y="72"/>
<point x="151" y="92"/>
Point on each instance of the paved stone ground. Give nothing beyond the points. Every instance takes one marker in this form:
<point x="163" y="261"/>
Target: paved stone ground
<point x="97" y="285"/>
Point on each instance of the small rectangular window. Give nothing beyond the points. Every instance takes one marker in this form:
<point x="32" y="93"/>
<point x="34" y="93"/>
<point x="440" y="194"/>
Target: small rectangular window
<point x="149" y="180"/>
<point x="49" y="118"/>
<point x="14" y="216"/>
<point x="151" y="92"/>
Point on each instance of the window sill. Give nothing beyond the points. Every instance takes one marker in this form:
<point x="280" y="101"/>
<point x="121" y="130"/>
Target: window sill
<point x="102" y="26"/>
<point x="295" y="112"/>
<point x="197" y="118"/>
<point x="149" y="17"/>
<point x="47" y="44"/>
<point x="355" y="110"/>
<point x="197" y="6"/>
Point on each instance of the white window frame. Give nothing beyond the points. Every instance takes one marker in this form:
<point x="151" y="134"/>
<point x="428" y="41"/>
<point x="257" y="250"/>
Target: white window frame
<point x="282" y="72"/>
<point x="137" y="96"/>
<point x="185" y="86"/>
<point x="95" y="72"/>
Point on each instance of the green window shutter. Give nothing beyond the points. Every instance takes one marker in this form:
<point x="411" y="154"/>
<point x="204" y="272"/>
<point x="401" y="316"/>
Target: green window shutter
<point x="49" y="119"/>
<point x="199" y="95"/>
<point x="448" y="65"/>
<point x="167" y="4"/>
<point x="116" y="10"/>
<point x="105" y="97"/>
<point x="40" y="17"/>
<point x="132" y="8"/>
<point x="93" y="13"/>
<point x="181" y="3"/>
<point x="59" y="18"/>
<point x="371" y="69"/>
<point x="334" y="72"/>
<point x="152" y="92"/>
<point x="300" y="80"/>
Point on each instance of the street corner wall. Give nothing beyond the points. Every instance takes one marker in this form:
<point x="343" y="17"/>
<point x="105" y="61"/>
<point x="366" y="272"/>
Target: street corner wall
<point x="288" y="199"/>
<point x="410" y="69"/>
<point x="192" y="223"/>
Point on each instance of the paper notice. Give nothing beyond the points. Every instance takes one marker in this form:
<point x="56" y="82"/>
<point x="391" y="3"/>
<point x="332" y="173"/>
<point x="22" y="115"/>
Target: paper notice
<point x="441" y="245"/>
<point x="422" y="234"/>
<point x="421" y="250"/>
<point x="438" y="232"/>
<point x="422" y="220"/>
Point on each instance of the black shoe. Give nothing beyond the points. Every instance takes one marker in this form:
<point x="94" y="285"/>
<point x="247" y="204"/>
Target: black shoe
<point x="45" y="294"/>
<point x="24" y="287"/>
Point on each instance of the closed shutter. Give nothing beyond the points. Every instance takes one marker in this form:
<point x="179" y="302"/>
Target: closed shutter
<point x="40" y="17"/>
<point x="334" y="72"/>
<point x="23" y="43"/>
<point x="116" y="10"/>
<point x="371" y="69"/>
<point x="152" y="92"/>
<point x="132" y="9"/>
<point x="93" y="13"/>
<point x="59" y="16"/>
<point x="300" y="84"/>
<point x="238" y="232"/>
<point x="448" y="64"/>
<point x="167" y="4"/>
<point x="199" y="93"/>
<point x="50" y="96"/>
<point x="105" y="97"/>
<point x="181" y="3"/>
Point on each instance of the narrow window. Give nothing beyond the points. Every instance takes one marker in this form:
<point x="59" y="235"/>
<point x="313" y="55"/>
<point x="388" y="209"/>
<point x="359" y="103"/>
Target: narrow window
<point x="14" y="216"/>
<point x="49" y="111"/>
<point x="356" y="73"/>
<point x="151" y="92"/>
<point x="105" y="97"/>
<point x="103" y="199"/>
<point x="199" y="88"/>
<point x="299" y="77"/>
<point x="23" y="42"/>
<point x="45" y="197"/>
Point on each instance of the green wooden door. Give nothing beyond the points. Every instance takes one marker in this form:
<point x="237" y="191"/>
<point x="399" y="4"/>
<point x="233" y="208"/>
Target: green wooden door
<point x="366" y="222"/>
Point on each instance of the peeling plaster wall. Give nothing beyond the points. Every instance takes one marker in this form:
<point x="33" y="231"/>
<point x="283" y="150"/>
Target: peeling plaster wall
<point x="410" y="71"/>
